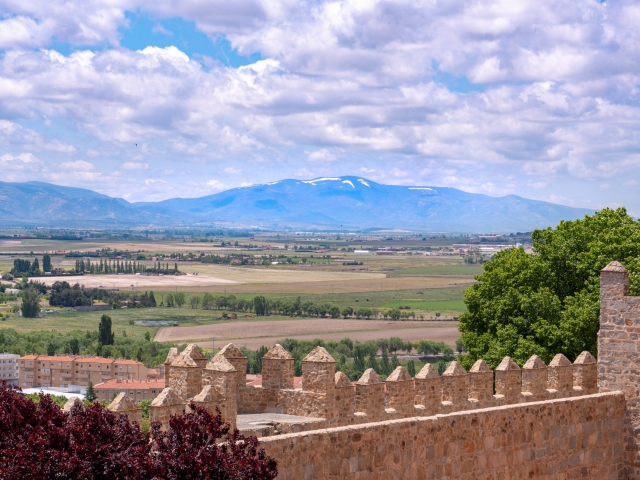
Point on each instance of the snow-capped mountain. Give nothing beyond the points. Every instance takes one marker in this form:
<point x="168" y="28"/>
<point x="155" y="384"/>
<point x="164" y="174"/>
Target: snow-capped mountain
<point x="328" y="203"/>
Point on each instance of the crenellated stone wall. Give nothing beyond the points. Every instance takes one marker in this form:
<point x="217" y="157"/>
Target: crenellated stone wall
<point x="564" y="420"/>
<point x="579" y="437"/>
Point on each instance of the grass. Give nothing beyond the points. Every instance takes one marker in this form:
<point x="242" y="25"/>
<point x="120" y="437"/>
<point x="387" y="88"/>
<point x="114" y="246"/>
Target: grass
<point x="443" y="306"/>
<point x="442" y="270"/>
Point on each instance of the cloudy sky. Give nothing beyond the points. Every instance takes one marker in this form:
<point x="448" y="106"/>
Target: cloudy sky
<point x="149" y="100"/>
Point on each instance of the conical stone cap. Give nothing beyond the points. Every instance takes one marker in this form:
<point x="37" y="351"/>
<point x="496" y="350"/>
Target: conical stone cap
<point x="369" y="377"/>
<point x="615" y="267"/>
<point x="184" y="360"/>
<point x="585" y="358"/>
<point x="277" y="352"/>
<point x="480" y="366"/>
<point x="171" y="356"/>
<point x="506" y="364"/>
<point x="534" y="363"/>
<point x="454" y="370"/>
<point x="71" y="403"/>
<point x="341" y="380"/>
<point x="400" y="374"/>
<point x="194" y="352"/>
<point x="560" y="361"/>
<point x="208" y="394"/>
<point x="122" y="403"/>
<point x="231" y="351"/>
<point x="220" y="364"/>
<point x="428" y="371"/>
<point x="167" y="398"/>
<point x="319" y="355"/>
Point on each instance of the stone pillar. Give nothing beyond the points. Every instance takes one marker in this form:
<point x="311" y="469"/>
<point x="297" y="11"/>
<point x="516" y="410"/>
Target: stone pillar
<point x="370" y="395"/>
<point x="221" y="375"/>
<point x="585" y="374"/>
<point x="618" y="362"/>
<point x="318" y="371"/>
<point x="534" y="377"/>
<point x="171" y="356"/>
<point x="186" y="376"/>
<point x="428" y="386"/>
<point x="560" y="375"/>
<point x="508" y="380"/>
<point x="72" y="402"/>
<point x="164" y="405"/>
<point x="343" y="399"/>
<point x="212" y="400"/>
<point x="455" y="387"/>
<point x="239" y="361"/>
<point x="125" y="405"/>
<point x="481" y="382"/>
<point x="400" y="392"/>
<point x="277" y="369"/>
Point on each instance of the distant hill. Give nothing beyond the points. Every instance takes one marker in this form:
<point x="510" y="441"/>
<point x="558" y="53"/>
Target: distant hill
<point x="327" y="203"/>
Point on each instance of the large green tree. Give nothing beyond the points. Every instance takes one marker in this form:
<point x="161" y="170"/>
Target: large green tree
<point x="30" y="303"/>
<point x="548" y="302"/>
<point x="105" y="335"/>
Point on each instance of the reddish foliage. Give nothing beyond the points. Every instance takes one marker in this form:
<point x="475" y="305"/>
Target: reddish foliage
<point x="40" y="441"/>
<point x="192" y="448"/>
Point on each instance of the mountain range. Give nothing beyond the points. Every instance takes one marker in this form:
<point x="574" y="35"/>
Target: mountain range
<point x="341" y="203"/>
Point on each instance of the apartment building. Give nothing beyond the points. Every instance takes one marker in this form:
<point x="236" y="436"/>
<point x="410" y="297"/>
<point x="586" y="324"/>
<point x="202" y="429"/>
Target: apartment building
<point x="9" y="368"/>
<point x="60" y="371"/>
<point x="136" y="389"/>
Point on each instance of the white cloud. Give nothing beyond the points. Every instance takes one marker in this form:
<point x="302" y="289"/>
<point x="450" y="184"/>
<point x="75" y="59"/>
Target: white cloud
<point x="385" y="88"/>
<point x="77" y="166"/>
<point x="135" y="166"/>
<point x="23" y="162"/>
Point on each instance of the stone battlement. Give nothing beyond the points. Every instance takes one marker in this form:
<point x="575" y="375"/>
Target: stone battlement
<point x="562" y="420"/>
<point x="331" y="396"/>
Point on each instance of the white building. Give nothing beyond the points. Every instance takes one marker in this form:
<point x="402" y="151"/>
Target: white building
<point x="361" y="252"/>
<point x="9" y="368"/>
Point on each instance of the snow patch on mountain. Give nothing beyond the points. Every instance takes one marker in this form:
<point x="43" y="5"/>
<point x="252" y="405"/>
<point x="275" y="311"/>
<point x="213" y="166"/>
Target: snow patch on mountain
<point x="349" y="182"/>
<point x="323" y="179"/>
<point x="364" y="183"/>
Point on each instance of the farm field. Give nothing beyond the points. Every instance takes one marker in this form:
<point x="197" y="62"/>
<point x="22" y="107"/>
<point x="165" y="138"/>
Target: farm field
<point x="442" y="270"/>
<point x="444" y="306"/>
<point x="257" y="332"/>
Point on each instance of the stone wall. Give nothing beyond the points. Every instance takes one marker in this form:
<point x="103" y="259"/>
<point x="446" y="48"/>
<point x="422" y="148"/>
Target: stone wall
<point x="581" y="437"/>
<point x="619" y="351"/>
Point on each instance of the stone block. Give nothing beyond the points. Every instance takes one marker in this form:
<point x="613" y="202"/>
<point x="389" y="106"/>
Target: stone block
<point x="125" y="405"/>
<point x="428" y="388"/>
<point x="585" y="374"/>
<point x="277" y="369"/>
<point x="400" y="392"/>
<point x="455" y="385"/>
<point x="481" y="382"/>
<point x="370" y="395"/>
<point x="534" y="376"/>
<point x="560" y="375"/>
<point x="318" y="371"/>
<point x="508" y="380"/>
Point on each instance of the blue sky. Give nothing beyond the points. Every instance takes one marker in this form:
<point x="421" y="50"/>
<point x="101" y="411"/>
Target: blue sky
<point x="151" y="100"/>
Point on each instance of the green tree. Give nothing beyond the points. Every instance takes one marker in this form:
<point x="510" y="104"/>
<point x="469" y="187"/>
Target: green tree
<point x="180" y="299"/>
<point x="51" y="349"/>
<point x="411" y="368"/>
<point x="460" y="346"/>
<point x="46" y="263"/>
<point x="169" y="302"/>
<point x="194" y="301"/>
<point x="74" y="346"/>
<point x="90" y="394"/>
<point x="347" y="312"/>
<point x="30" y="303"/>
<point x="105" y="335"/>
<point x="548" y="303"/>
<point x="261" y="305"/>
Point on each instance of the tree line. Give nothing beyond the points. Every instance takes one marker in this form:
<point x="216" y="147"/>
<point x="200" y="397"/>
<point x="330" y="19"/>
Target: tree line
<point x="353" y="358"/>
<point x="103" y="343"/>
